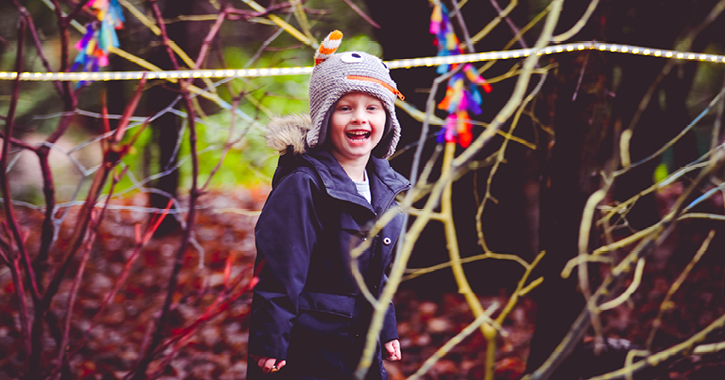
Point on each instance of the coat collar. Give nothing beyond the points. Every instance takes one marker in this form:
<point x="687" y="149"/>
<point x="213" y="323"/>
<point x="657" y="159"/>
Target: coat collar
<point x="385" y="183"/>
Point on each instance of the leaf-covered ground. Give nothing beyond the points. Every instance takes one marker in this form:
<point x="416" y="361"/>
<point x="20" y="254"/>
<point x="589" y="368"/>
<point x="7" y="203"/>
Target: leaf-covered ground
<point x="217" y="349"/>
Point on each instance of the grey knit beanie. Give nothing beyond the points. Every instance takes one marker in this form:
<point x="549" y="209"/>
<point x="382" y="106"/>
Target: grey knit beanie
<point x="335" y="75"/>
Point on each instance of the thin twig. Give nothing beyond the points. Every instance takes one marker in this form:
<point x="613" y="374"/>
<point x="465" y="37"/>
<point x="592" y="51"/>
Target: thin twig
<point x="227" y="146"/>
<point x="38" y="45"/>
<point x="362" y="14"/>
<point x="493" y="23"/>
<point x="446" y="348"/>
<point x="516" y="31"/>
<point x="464" y="29"/>
<point x="665" y="304"/>
<point x="581" y="76"/>
<point x="579" y="24"/>
<point x="500" y="155"/>
<point x="209" y="38"/>
<point x="660" y="357"/>
<point x="672" y="141"/>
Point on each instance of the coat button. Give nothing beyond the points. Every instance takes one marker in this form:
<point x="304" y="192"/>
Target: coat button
<point x="387" y="241"/>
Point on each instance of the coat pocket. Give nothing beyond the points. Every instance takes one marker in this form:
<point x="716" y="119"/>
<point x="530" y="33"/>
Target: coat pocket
<point x="325" y="314"/>
<point x="320" y="341"/>
<point x="337" y="304"/>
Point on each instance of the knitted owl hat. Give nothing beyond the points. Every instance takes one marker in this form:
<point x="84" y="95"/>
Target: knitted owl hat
<point x="335" y="75"/>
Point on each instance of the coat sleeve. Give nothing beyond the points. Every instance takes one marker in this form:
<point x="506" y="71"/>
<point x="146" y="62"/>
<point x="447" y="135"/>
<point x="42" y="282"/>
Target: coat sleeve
<point x="285" y="236"/>
<point x="390" y="324"/>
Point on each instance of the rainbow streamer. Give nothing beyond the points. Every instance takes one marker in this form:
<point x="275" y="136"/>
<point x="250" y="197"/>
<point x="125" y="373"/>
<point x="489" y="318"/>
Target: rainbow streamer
<point x="100" y="36"/>
<point x="463" y="93"/>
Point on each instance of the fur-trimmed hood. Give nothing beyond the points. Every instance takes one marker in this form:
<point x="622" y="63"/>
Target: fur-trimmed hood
<point x="289" y="131"/>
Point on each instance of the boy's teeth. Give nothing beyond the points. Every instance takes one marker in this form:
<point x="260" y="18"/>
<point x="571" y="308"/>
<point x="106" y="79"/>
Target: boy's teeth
<point x="358" y="134"/>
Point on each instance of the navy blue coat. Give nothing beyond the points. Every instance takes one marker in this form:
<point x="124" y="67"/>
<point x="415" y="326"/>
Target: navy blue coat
<point x="307" y="307"/>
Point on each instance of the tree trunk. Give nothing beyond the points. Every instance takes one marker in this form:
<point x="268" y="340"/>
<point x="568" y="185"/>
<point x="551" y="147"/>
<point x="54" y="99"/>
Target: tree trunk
<point x="167" y="127"/>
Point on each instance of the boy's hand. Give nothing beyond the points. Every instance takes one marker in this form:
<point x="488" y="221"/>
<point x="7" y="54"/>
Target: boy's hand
<point x="268" y="364"/>
<point x="392" y="349"/>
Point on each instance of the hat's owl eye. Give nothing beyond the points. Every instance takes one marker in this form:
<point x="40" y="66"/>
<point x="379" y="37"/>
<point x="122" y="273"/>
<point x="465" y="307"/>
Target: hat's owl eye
<point x="351" y="57"/>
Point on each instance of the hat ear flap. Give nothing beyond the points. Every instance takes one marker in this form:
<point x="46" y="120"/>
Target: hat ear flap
<point x="328" y="46"/>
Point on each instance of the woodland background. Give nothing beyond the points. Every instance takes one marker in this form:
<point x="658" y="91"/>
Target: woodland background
<point x="128" y="208"/>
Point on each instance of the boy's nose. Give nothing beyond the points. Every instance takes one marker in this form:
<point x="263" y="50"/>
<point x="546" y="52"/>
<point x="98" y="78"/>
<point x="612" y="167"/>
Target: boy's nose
<point x="358" y="116"/>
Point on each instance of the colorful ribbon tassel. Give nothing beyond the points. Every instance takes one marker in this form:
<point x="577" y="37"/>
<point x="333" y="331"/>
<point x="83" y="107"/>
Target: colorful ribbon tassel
<point x="100" y="35"/>
<point x="463" y="93"/>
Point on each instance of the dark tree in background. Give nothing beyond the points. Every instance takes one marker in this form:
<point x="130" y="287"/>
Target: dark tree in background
<point x="167" y="127"/>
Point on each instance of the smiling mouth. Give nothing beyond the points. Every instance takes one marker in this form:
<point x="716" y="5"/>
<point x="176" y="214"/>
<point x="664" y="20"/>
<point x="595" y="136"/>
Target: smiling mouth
<point x="358" y="135"/>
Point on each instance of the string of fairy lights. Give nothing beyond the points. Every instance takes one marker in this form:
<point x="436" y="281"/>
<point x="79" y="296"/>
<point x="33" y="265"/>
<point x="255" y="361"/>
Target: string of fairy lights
<point x="394" y="64"/>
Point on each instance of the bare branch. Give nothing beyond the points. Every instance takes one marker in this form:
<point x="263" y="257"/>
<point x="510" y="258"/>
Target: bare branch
<point x="579" y="24"/>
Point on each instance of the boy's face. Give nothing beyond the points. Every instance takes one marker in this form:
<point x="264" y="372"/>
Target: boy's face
<point x="356" y="126"/>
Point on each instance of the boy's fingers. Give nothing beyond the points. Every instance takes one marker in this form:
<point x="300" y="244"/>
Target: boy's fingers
<point x="281" y="364"/>
<point x="393" y="349"/>
<point x="269" y="365"/>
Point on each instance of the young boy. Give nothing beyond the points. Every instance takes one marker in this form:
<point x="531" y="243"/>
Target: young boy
<point x="309" y="317"/>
